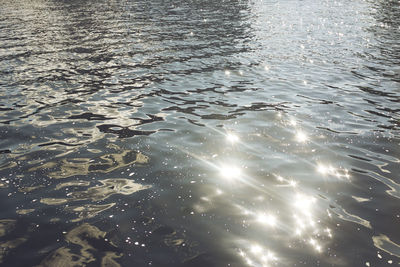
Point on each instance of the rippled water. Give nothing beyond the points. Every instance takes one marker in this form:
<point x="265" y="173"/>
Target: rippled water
<point x="200" y="133"/>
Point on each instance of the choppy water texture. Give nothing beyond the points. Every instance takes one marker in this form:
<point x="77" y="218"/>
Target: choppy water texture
<point x="199" y="133"/>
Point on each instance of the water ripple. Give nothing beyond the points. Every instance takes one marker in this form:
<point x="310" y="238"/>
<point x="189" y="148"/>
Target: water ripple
<point x="195" y="133"/>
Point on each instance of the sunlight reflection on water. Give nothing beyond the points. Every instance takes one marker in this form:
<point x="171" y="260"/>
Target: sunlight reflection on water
<point x="192" y="133"/>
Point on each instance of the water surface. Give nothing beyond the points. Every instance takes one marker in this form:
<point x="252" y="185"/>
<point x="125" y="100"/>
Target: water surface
<point x="199" y="133"/>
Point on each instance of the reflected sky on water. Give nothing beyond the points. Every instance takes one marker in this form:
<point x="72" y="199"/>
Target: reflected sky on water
<point x="199" y="133"/>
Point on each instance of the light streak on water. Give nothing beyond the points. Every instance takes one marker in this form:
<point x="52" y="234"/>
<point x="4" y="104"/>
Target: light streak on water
<point x="266" y="219"/>
<point x="232" y="138"/>
<point x="230" y="172"/>
<point x="301" y="137"/>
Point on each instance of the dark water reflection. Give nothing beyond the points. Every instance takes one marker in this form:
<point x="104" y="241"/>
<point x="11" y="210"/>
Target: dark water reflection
<point x="199" y="133"/>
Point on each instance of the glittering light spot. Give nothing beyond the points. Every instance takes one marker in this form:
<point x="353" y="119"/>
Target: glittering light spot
<point x="301" y="137"/>
<point x="227" y="73"/>
<point x="266" y="219"/>
<point x="304" y="204"/>
<point x="328" y="232"/>
<point x="316" y="246"/>
<point x="329" y="213"/>
<point x="298" y="231"/>
<point x="256" y="249"/>
<point x="271" y="256"/>
<point x="230" y="172"/>
<point x="346" y="174"/>
<point x="232" y="137"/>
<point x="266" y="67"/>
<point x="293" y="122"/>
<point x="268" y="257"/>
<point x="322" y="169"/>
<point x="292" y="183"/>
<point x="260" y="198"/>
<point x="300" y="223"/>
<point x="335" y="172"/>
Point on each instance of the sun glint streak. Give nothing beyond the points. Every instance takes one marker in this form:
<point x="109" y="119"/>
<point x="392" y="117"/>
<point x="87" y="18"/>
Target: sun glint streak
<point x="328" y="232"/>
<point x="232" y="138"/>
<point x="304" y="204"/>
<point x="316" y="246"/>
<point x="230" y="172"/>
<point x="301" y="137"/>
<point x="293" y="183"/>
<point x="256" y="249"/>
<point x="298" y="231"/>
<point x="335" y="172"/>
<point x="290" y="182"/>
<point x="267" y="219"/>
<point x="322" y="169"/>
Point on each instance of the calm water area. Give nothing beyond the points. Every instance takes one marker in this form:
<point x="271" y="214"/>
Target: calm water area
<point x="200" y="133"/>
